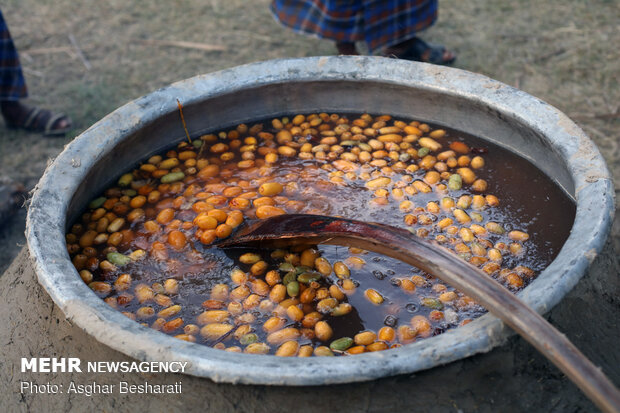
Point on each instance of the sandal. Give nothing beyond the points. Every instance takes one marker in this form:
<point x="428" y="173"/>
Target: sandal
<point x="420" y="51"/>
<point x="40" y="120"/>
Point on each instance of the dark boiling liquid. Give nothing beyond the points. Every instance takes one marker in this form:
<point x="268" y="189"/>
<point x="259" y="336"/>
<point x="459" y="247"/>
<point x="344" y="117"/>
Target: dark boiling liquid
<point x="529" y="202"/>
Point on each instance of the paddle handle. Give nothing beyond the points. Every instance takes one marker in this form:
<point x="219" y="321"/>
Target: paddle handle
<point x="445" y="265"/>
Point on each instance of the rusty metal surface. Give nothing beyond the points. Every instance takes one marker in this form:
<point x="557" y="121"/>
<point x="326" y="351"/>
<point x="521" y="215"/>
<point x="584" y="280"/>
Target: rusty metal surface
<point x="469" y="102"/>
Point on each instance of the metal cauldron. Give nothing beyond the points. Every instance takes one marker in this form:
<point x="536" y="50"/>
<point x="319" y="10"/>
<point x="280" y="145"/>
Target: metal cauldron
<point x="461" y="100"/>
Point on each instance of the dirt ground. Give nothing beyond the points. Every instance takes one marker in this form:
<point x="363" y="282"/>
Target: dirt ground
<point x="88" y="57"/>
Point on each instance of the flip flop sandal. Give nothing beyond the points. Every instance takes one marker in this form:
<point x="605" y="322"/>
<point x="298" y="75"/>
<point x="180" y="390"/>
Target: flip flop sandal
<point x="42" y="120"/>
<point x="421" y="51"/>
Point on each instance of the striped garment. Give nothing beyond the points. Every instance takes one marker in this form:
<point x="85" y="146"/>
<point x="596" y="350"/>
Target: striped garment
<point x="12" y="83"/>
<point x="380" y="23"/>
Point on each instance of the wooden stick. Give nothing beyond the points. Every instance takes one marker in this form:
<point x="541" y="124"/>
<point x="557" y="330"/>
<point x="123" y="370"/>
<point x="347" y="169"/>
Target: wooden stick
<point x="32" y="72"/>
<point x="183" y="120"/>
<point x="79" y="53"/>
<point x="46" y="50"/>
<point x="442" y="263"/>
<point x="186" y="45"/>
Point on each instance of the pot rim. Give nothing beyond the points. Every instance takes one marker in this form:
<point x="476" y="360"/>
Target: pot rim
<point x="593" y="192"/>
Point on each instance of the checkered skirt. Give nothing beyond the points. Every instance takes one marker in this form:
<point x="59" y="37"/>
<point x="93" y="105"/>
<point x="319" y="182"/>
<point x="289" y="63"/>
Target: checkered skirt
<point x="12" y="83"/>
<point x="380" y="23"/>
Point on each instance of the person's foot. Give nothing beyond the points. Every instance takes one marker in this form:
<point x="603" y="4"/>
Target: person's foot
<point x="19" y="116"/>
<point x="346" y="48"/>
<point x="418" y="50"/>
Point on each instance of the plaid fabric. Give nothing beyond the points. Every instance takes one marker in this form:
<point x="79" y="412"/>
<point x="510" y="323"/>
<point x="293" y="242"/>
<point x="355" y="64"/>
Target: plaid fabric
<point x="380" y="23"/>
<point x="12" y="83"/>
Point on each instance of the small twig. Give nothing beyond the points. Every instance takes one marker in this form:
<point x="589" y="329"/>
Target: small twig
<point x="249" y="34"/>
<point x="201" y="151"/>
<point x="519" y="80"/>
<point x="46" y="50"/>
<point x="615" y="114"/>
<point x="32" y="72"/>
<point x="514" y="36"/>
<point x="548" y="56"/>
<point x="79" y="53"/>
<point x="603" y="116"/>
<point x="185" y="45"/>
<point x="26" y="57"/>
<point x="27" y="54"/>
<point x="567" y="29"/>
<point x="183" y="120"/>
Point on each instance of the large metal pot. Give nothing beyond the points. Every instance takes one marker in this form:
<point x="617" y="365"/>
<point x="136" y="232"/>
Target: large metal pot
<point x="465" y="101"/>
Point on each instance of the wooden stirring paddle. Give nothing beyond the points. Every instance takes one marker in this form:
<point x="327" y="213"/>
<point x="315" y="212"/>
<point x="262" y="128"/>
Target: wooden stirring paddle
<point x="287" y="230"/>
